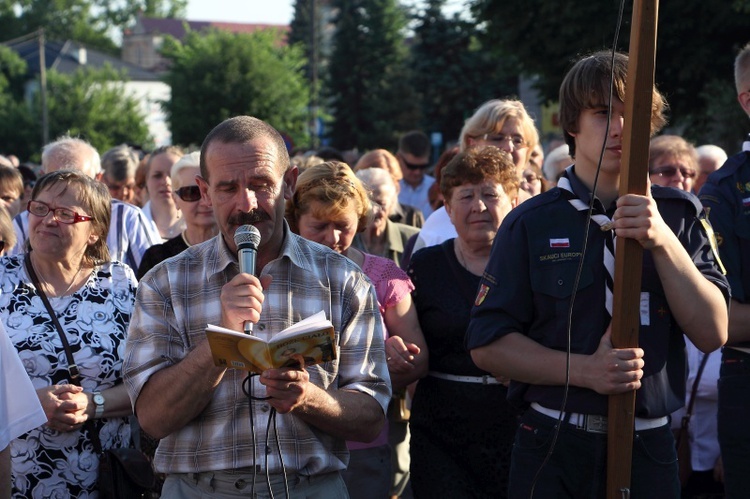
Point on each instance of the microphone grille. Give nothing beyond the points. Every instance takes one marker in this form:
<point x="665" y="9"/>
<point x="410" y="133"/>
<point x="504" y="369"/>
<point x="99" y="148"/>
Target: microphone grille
<point x="247" y="235"/>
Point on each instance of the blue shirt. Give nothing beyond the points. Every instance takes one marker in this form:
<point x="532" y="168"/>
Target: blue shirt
<point x="417" y="196"/>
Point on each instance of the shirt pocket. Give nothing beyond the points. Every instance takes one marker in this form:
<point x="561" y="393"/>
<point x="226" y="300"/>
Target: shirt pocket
<point x="557" y="280"/>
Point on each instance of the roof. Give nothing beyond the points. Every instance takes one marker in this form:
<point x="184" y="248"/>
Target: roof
<point x="66" y="57"/>
<point x="176" y="27"/>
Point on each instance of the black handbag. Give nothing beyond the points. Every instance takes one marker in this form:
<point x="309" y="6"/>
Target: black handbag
<point x="124" y="473"/>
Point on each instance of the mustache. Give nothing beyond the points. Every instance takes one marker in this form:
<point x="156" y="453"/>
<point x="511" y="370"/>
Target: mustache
<point x="250" y="218"/>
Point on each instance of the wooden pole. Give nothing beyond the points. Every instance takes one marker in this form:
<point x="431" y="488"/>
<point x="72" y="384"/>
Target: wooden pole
<point x="629" y="254"/>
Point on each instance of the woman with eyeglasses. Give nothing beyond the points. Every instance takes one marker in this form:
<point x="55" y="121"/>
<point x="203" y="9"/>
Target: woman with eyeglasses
<point x="672" y="162"/>
<point x="200" y="224"/>
<point x="90" y="300"/>
<point x="506" y="125"/>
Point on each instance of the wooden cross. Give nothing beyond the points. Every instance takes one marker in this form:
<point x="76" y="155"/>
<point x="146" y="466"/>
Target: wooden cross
<point x="629" y="254"/>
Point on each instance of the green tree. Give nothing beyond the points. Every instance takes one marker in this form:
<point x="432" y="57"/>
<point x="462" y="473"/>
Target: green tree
<point x="91" y="22"/>
<point x="371" y="98"/>
<point x="696" y="44"/>
<point x="92" y="104"/>
<point x="452" y="72"/>
<point x="216" y="75"/>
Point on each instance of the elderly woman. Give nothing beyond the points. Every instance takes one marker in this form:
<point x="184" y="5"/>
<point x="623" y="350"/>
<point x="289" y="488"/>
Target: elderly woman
<point x="92" y="299"/>
<point x="200" y="224"/>
<point x="330" y="205"/>
<point x="462" y="427"/>
<point x="401" y="213"/>
<point x="504" y="124"/>
<point x="672" y="162"/>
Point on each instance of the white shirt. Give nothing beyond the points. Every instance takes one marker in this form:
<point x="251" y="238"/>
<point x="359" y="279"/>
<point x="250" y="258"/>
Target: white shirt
<point x="436" y="229"/>
<point x="20" y="410"/>
<point x="417" y="196"/>
<point x="130" y="234"/>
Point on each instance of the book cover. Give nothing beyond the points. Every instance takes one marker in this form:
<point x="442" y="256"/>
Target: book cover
<point x="312" y="338"/>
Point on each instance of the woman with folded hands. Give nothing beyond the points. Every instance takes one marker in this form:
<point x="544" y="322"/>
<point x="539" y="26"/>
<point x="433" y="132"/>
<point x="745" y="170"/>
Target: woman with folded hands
<point x="92" y="299"/>
<point x="462" y="427"/>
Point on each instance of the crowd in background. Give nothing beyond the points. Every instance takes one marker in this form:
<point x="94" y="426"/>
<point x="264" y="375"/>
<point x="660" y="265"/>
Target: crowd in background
<point x="80" y="231"/>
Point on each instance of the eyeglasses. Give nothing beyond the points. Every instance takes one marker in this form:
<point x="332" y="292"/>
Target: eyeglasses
<point x="671" y="171"/>
<point x="517" y="141"/>
<point x="62" y="215"/>
<point x="189" y="193"/>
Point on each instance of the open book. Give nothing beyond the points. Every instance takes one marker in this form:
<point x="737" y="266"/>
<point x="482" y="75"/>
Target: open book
<point x="312" y="338"/>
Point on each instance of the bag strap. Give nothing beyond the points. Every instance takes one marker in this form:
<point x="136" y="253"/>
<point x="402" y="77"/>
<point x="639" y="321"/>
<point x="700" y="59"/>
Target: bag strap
<point x="691" y="401"/>
<point x="73" y="370"/>
<point x="72" y="367"/>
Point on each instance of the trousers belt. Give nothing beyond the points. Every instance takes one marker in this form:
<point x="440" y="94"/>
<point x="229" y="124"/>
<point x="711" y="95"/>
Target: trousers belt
<point x="487" y="379"/>
<point x="594" y="423"/>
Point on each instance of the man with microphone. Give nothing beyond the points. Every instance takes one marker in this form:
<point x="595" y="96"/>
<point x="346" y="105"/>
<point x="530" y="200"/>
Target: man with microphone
<point x="284" y="432"/>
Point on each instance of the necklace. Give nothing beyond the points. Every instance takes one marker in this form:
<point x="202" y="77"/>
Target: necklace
<point x="460" y="256"/>
<point x="70" y="286"/>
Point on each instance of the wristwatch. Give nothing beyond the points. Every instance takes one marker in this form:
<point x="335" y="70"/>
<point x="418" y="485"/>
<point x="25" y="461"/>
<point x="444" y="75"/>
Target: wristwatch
<point x="99" y="401"/>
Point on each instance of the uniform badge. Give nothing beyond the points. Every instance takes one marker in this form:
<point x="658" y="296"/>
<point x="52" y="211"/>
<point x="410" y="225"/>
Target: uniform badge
<point x="481" y="295"/>
<point x="713" y="243"/>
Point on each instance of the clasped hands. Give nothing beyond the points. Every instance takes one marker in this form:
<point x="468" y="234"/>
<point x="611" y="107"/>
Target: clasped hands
<point x="65" y="406"/>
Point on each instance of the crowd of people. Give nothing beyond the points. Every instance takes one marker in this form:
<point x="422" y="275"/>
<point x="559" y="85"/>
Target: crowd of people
<point x="470" y="292"/>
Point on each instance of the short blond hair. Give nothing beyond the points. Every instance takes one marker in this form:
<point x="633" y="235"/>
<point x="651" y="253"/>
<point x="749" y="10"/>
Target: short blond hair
<point x="490" y="118"/>
<point x="334" y="185"/>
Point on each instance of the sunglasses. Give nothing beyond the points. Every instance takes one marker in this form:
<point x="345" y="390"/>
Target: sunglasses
<point x="412" y="166"/>
<point x="671" y="171"/>
<point x="189" y="193"/>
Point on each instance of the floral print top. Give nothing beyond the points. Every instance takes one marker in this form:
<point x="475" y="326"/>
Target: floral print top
<point x="47" y="463"/>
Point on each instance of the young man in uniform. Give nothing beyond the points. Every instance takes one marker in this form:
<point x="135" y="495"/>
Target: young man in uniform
<point x="519" y="328"/>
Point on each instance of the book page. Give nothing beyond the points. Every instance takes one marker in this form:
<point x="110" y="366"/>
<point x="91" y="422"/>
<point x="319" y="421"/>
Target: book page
<point x="315" y="347"/>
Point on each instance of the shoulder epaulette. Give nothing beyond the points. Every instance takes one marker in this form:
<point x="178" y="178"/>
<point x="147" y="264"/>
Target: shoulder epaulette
<point x="542" y="199"/>
<point x="658" y="192"/>
<point x="730" y="167"/>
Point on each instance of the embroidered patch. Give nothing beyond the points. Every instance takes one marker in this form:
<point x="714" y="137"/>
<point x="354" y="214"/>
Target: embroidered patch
<point x="481" y="295"/>
<point x="559" y="243"/>
<point x="746" y="201"/>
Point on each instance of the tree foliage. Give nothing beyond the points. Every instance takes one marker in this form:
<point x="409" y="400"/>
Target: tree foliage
<point x="91" y="104"/>
<point x="91" y="22"/>
<point x="215" y="75"/>
<point x="696" y="45"/>
<point x="452" y="72"/>
<point x="371" y="98"/>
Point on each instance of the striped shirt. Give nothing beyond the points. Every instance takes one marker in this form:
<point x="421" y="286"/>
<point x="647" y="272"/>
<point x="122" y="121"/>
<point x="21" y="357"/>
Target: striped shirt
<point x="130" y="234"/>
<point x="180" y="296"/>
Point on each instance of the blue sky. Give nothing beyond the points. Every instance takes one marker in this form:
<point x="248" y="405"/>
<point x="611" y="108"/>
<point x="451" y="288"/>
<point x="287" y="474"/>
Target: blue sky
<point x="241" y="11"/>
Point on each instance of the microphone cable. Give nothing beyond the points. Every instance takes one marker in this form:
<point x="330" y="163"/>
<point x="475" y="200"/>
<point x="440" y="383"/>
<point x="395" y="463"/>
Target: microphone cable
<point x="247" y="389"/>
<point x="584" y="247"/>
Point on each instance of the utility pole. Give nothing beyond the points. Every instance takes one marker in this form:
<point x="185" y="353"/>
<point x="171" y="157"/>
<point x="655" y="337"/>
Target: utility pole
<point x="43" y="88"/>
<point x="314" y="73"/>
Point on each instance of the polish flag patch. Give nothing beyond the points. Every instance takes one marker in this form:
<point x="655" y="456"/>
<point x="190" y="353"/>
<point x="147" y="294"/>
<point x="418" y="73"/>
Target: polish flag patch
<point x="746" y="202"/>
<point x="559" y="243"/>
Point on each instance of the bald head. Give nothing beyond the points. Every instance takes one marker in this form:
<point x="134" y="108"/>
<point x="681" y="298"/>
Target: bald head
<point x="68" y="153"/>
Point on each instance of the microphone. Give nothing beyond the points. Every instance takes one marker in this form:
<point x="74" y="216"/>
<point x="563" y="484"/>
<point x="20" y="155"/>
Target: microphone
<point x="247" y="239"/>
